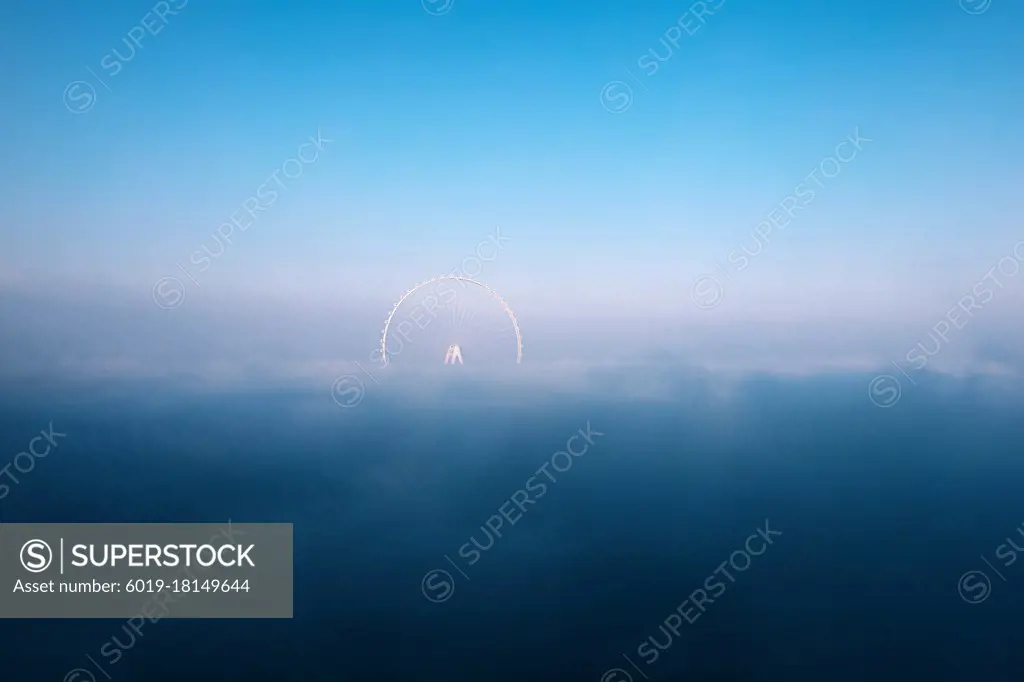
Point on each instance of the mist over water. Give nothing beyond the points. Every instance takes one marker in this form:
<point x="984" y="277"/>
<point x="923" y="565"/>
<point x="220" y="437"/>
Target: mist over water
<point x="881" y="511"/>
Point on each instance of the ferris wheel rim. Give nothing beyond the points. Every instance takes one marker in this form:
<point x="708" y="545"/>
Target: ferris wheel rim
<point x="460" y="278"/>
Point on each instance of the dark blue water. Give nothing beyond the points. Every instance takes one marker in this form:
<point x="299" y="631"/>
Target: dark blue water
<point x="881" y="511"/>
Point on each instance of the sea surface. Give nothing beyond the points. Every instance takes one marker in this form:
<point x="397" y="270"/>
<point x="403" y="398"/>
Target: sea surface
<point x="875" y="515"/>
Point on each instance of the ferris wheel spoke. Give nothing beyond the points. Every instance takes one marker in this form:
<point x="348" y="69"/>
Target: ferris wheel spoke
<point x="468" y="316"/>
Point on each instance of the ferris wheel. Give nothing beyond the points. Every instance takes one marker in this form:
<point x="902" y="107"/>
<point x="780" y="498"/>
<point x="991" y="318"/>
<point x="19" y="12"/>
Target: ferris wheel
<point x="453" y="317"/>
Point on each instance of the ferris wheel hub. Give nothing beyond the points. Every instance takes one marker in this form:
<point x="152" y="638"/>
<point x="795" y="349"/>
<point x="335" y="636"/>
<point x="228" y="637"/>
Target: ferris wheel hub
<point x="453" y="355"/>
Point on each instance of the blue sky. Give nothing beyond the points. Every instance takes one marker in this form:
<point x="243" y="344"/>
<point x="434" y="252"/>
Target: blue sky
<point x="490" y="116"/>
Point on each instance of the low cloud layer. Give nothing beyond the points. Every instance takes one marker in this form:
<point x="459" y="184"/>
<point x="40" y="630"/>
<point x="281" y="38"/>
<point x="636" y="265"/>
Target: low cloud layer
<point x="273" y="340"/>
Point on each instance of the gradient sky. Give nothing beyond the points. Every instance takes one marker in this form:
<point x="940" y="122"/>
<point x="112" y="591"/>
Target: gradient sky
<point x="490" y="116"/>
